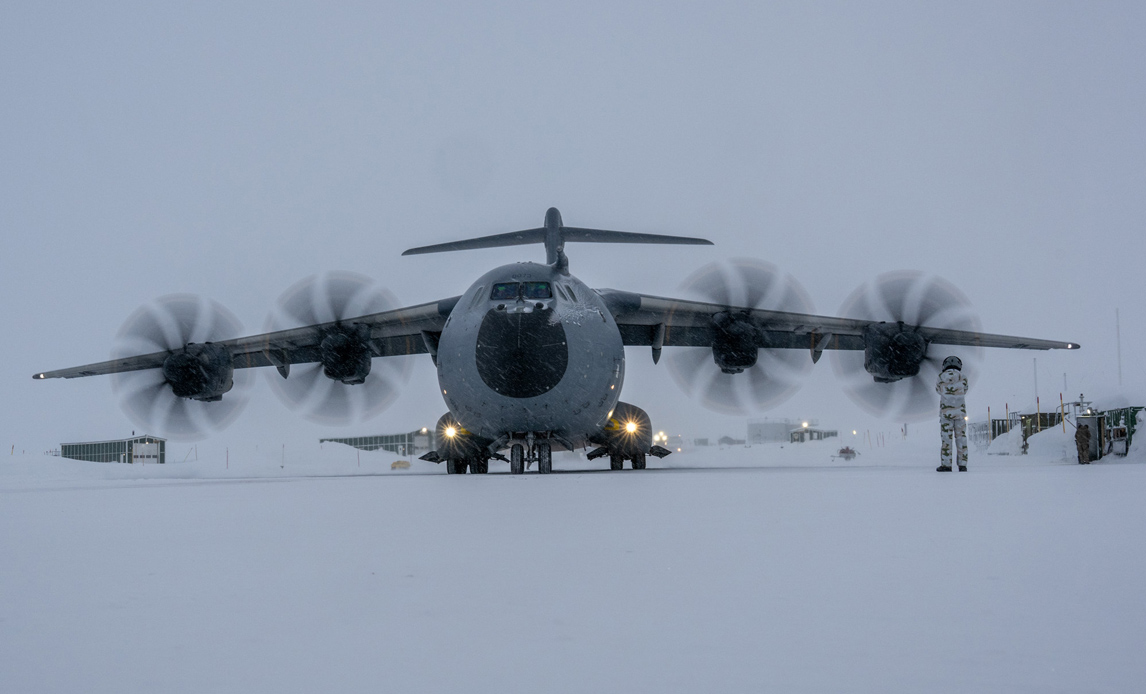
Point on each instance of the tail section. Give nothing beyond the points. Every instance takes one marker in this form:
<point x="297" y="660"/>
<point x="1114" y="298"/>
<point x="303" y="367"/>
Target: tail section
<point x="554" y="235"/>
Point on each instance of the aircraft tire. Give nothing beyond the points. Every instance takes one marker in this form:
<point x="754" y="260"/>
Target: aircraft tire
<point x="544" y="458"/>
<point x="479" y="467"/>
<point x="516" y="459"/>
<point x="616" y="461"/>
<point x="638" y="461"/>
<point x="455" y="466"/>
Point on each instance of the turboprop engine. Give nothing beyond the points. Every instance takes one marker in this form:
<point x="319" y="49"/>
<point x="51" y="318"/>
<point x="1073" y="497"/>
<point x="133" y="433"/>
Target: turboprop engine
<point x="200" y="371"/>
<point x="346" y="354"/>
<point x="892" y="352"/>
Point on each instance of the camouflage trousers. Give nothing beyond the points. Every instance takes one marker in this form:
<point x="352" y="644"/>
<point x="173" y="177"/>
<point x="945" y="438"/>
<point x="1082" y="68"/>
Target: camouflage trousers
<point x="953" y="425"/>
<point x="1083" y="452"/>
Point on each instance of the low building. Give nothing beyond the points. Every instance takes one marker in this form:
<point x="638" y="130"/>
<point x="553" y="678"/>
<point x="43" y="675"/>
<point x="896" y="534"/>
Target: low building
<point x="410" y="443"/>
<point x="811" y="434"/>
<point x="137" y="449"/>
<point x="769" y="430"/>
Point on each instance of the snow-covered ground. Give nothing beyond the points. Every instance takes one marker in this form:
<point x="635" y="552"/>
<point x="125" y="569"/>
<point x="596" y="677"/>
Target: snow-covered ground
<point x="743" y="569"/>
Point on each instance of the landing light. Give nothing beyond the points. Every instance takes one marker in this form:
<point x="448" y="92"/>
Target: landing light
<point x="451" y="432"/>
<point x="631" y="427"/>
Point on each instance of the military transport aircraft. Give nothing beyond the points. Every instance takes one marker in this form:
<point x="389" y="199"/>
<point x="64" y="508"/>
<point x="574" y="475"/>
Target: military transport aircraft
<point x="531" y="360"/>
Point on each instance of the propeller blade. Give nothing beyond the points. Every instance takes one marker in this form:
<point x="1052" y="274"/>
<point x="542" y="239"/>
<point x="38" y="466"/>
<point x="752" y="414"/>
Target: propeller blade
<point x="916" y="300"/>
<point x="169" y="324"/>
<point x="335" y="297"/>
<point x="750" y="284"/>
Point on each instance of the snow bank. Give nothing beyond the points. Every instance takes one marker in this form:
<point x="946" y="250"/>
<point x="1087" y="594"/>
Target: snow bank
<point x="1010" y="443"/>
<point x="1055" y="445"/>
<point x="1137" y="451"/>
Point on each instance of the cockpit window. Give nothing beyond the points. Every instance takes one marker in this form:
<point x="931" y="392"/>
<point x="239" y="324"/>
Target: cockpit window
<point x="538" y="290"/>
<point x="505" y="291"/>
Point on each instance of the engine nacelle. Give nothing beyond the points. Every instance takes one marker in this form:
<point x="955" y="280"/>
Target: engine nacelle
<point x="735" y="343"/>
<point x="346" y="354"/>
<point x="891" y="352"/>
<point x="200" y="371"/>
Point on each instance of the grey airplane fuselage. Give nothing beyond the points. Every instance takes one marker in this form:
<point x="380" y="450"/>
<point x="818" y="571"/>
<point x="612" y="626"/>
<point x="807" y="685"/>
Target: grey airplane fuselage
<point x="528" y="363"/>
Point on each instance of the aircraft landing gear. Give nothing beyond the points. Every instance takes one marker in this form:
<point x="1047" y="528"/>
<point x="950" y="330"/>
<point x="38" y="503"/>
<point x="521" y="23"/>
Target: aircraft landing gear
<point x="479" y="467"/>
<point x="517" y="459"/>
<point x="544" y="458"/>
<point x="456" y="466"/>
<point x="638" y="461"/>
<point x="616" y="461"/>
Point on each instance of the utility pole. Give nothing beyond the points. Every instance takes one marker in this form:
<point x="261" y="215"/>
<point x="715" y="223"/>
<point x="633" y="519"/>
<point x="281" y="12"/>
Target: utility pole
<point x="1036" y="378"/>
<point x="1118" y="339"/>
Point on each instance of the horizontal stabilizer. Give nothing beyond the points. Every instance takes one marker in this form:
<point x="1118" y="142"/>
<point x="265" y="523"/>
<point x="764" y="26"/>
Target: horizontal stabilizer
<point x="554" y="235"/>
<point x="513" y="238"/>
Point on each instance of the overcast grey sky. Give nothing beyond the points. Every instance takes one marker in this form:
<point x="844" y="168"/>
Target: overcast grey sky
<point x="230" y="149"/>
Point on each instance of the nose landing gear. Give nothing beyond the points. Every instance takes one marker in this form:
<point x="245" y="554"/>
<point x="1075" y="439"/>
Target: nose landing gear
<point x="540" y="452"/>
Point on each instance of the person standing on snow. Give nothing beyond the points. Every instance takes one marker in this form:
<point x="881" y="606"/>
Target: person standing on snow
<point x="952" y="389"/>
<point x="1082" y="443"/>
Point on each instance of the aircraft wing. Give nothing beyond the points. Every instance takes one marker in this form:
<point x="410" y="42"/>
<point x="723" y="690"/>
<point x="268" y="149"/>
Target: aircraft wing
<point x="411" y="330"/>
<point x="642" y="318"/>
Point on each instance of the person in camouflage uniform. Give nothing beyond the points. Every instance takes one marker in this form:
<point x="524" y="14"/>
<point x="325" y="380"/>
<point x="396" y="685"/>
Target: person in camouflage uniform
<point x="1082" y="443"/>
<point x="952" y="389"/>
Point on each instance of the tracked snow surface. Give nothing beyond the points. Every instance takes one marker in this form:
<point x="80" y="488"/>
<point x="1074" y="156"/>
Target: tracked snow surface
<point x="739" y="570"/>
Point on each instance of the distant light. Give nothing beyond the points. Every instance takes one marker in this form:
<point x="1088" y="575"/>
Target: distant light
<point x="853" y="432"/>
<point x="424" y="430"/>
<point x="451" y="432"/>
<point x="662" y="434"/>
<point x="965" y="419"/>
<point x="631" y="427"/>
<point x="678" y="450"/>
<point x="805" y="424"/>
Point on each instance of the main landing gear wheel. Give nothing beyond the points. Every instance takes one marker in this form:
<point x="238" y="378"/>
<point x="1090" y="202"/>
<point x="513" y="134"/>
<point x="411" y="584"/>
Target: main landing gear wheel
<point x="455" y="466"/>
<point x="616" y="461"/>
<point x="544" y="458"/>
<point x="517" y="459"/>
<point x="638" y="461"/>
<point x="479" y="467"/>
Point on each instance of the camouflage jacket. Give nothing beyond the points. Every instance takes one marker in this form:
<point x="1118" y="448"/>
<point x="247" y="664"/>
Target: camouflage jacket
<point x="952" y="388"/>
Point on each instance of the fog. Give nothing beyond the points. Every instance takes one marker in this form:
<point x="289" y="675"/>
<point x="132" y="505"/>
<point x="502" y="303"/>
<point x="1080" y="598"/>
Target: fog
<point x="230" y="151"/>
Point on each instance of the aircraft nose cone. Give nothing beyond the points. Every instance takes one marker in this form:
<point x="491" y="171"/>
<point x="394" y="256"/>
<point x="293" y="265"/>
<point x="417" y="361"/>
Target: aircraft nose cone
<point x="521" y="355"/>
